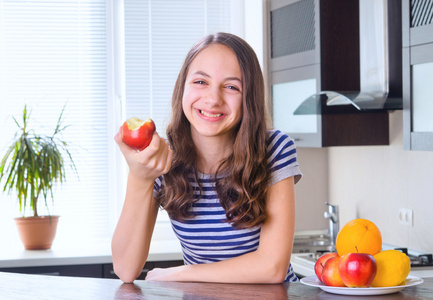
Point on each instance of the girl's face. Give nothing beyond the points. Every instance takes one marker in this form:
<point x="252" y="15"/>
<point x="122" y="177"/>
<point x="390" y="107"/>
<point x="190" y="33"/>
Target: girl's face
<point x="212" y="99"/>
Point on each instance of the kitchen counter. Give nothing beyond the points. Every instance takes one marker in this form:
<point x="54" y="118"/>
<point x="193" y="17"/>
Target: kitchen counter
<point x="90" y="252"/>
<point x="99" y="253"/>
<point x="22" y="287"/>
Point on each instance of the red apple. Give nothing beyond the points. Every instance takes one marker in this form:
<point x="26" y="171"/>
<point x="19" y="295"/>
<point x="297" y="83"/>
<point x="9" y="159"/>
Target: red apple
<point x="137" y="133"/>
<point x="330" y="273"/>
<point x="320" y="263"/>
<point x="357" y="269"/>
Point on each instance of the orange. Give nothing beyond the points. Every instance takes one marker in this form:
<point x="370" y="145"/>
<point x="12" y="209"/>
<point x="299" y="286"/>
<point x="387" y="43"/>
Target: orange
<point x="393" y="267"/>
<point x="359" y="235"/>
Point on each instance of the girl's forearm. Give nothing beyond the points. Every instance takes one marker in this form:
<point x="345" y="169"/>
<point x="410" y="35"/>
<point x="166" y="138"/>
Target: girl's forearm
<point x="253" y="267"/>
<point x="133" y="233"/>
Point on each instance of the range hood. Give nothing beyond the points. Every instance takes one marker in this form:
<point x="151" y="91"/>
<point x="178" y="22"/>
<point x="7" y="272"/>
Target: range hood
<point x="380" y="61"/>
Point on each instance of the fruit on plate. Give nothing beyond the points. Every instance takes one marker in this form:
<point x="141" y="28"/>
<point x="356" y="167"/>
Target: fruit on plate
<point x="330" y="273"/>
<point x="357" y="269"/>
<point x="359" y="236"/>
<point x="137" y="133"/>
<point x="393" y="267"/>
<point x="320" y="263"/>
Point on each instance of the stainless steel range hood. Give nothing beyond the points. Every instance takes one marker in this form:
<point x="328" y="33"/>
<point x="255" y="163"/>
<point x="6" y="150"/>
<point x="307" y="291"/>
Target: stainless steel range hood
<point x="380" y="59"/>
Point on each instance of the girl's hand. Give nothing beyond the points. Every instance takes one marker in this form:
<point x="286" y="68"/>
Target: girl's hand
<point x="149" y="163"/>
<point x="166" y="274"/>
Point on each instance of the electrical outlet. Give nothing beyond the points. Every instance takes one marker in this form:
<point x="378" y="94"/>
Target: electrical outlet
<point x="405" y="216"/>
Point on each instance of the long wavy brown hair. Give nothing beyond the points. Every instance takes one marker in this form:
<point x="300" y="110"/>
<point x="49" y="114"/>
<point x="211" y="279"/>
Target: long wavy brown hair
<point x="242" y="189"/>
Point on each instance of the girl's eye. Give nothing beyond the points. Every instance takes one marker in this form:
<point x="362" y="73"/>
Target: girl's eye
<point x="199" y="82"/>
<point x="232" y="87"/>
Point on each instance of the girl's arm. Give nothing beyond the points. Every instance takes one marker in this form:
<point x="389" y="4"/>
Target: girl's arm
<point x="268" y="264"/>
<point x="131" y="238"/>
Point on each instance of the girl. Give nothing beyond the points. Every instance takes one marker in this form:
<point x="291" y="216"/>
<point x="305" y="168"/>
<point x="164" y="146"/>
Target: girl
<point x="226" y="180"/>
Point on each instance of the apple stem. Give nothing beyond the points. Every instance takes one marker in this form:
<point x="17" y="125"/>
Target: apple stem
<point x="356" y="249"/>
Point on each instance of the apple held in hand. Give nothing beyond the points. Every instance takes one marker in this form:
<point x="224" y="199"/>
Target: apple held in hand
<point x="330" y="273"/>
<point x="320" y="263"/>
<point x="357" y="269"/>
<point x="137" y="133"/>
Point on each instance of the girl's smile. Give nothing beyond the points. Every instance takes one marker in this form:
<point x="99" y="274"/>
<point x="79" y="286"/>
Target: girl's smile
<point x="210" y="116"/>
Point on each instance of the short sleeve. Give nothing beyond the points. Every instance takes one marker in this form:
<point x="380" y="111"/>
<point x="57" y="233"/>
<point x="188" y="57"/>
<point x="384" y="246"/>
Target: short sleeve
<point x="282" y="157"/>
<point x="158" y="185"/>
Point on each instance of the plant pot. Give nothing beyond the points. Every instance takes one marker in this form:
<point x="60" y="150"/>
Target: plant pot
<point x="37" y="233"/>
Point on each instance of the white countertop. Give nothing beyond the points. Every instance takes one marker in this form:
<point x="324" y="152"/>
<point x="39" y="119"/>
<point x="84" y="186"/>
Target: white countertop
<point x="97" y="253"/>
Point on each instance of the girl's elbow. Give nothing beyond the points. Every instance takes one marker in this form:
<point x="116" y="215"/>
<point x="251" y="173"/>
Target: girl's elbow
<point x="126" y="275"/>
<point x="278" y="277"/>
<point x="276" y="273"/>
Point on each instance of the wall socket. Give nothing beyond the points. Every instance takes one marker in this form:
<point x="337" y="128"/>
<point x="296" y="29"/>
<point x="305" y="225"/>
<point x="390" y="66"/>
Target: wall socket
<point x="405" y="216"/>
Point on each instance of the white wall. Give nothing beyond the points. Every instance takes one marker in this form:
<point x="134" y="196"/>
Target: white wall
<point x="312" y="190"/>
<point x="374" y="182"/>
<point x="371" y="182"/>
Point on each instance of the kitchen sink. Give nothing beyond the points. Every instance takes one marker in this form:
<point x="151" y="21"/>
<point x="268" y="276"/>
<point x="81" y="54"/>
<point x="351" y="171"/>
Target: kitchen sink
<point x="311" y="243"/>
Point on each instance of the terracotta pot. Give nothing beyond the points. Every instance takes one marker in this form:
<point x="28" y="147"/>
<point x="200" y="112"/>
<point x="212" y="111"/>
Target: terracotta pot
<point x="37" y="233"/>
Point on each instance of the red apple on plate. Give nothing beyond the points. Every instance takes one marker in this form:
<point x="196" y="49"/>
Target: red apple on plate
<point x="357" y="269"/>
<point x="320" y="263"/>
<point x="137" y="133"/>
<point x="330" y="273"/>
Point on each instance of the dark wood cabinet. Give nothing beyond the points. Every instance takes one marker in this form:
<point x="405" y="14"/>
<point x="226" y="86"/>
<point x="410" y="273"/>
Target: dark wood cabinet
<point x="88" y="270"/>
<point x="108" y="271"/>
<point x="63" y="270"/>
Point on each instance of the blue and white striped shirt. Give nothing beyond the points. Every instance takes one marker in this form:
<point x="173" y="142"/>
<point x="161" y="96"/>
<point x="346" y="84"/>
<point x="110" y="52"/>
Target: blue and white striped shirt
<point x="208" y="237"/>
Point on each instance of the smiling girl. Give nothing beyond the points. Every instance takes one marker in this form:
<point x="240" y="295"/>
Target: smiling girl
<point x="224" y="177"/>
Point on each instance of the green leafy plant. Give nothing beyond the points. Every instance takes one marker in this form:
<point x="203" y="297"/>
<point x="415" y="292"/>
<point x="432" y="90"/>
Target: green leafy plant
<point x="34" y="163"/>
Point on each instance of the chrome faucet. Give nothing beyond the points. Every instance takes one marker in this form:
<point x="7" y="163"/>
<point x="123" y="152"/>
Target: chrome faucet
<point x="334" y="222"/>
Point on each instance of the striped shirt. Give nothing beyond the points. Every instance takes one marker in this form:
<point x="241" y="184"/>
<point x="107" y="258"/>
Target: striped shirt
<point x="208" y="237"/>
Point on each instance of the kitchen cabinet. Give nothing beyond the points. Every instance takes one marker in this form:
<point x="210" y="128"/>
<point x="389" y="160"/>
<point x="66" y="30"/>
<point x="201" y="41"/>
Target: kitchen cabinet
<point x="94" y="271"/>
<point x="314" y="46"/>
<point x="87" y="270"/>
<point x="108" y="271"/>
<point x="417" y="24"/>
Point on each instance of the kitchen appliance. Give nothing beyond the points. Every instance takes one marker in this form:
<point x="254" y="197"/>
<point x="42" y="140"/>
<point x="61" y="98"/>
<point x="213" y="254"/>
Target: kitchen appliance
<point x="322" y="95"/>
<point x="421" y="263"/>
<point x="376" y="59"/>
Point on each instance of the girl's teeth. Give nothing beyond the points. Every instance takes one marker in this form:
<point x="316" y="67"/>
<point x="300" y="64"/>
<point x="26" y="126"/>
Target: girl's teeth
<point x="210" y="115"/>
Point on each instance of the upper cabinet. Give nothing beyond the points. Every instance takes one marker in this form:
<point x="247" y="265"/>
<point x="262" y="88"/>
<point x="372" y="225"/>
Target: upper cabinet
<point x="329" y="87"/>
<point x="417" y="74"/>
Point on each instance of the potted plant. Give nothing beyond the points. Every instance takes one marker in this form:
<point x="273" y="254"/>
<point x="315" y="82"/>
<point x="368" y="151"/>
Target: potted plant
<point x="31" y="167"/>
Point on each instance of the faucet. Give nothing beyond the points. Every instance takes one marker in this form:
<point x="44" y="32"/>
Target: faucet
<point x="334" y="222"/>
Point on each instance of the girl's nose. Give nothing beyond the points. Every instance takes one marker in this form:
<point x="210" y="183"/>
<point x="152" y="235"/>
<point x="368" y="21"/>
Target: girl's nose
<point x="213" y="96"/>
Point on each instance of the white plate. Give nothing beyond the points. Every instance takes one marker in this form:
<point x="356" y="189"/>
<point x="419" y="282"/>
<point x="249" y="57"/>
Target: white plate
<point x="313" y="281"/>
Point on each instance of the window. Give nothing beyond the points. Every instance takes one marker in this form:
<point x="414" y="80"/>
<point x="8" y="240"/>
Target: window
<point x="57" y="52"/>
